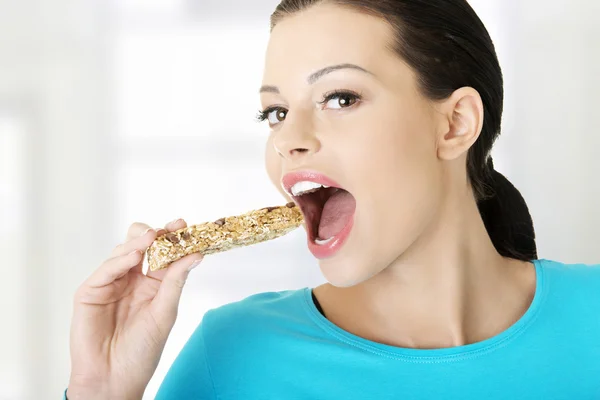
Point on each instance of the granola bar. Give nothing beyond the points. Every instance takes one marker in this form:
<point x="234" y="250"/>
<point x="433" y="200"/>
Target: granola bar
<point x="224" y="234"/>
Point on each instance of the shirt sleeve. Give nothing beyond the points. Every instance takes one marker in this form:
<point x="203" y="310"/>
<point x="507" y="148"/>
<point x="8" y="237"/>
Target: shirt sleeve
<point x="190" y="376"/>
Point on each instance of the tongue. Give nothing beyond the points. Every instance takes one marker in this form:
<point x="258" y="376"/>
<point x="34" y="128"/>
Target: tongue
<point x="337" y="211"/>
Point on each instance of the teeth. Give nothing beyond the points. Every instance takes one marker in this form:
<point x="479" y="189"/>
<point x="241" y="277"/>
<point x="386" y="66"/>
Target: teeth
<point x="304" y="187"/>
<point x="322" y="242"/>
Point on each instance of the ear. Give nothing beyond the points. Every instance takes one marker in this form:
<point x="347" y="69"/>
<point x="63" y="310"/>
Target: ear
<point x="462" y="115"/>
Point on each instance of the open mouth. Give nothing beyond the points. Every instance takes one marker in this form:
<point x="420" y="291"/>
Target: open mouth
<point x="328" y="211"/>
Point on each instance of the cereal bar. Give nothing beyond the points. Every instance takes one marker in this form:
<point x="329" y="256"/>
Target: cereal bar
<point x="224" y="234"/>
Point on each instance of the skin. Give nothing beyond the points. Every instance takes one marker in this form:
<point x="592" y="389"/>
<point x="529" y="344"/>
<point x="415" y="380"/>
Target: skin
<point x="122" y="318"/>
<point x="418" y="269"/>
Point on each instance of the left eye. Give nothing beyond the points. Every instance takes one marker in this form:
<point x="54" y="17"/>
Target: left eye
<point x="334" y="100"/>
<point x="340" y="100"/>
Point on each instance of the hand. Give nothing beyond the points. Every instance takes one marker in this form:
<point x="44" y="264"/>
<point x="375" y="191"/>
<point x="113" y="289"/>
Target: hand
<point x="122" y="318"/>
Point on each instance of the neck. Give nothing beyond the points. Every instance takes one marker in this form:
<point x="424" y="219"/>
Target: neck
<point x="450" y="288"/>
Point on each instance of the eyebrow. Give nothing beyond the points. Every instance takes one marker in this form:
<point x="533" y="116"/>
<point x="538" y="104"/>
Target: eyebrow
<point x="315" y="76"/>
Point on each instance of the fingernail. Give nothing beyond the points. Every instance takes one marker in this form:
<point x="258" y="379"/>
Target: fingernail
<point x="175" y="221"/>
<point x="147" y="230"/>
<point x="194" y="264"/>
<point x="134" y="252"/>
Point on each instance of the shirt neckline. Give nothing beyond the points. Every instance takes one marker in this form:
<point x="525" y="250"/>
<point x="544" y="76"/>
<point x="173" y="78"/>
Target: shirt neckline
<point x="436" y="355"/>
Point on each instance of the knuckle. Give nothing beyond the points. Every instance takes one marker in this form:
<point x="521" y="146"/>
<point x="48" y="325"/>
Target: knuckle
<point x="169" y="313"/>
<point x="77" y="295"/>
<point x="118" y="249"/>
<point x="171" y="316"/>
<point x="136" y="229"/>
<point x="135" y="225"/>
<point x="179" y="282"/>
<point x="81" y="294"/>
<point x="172" y="224"/>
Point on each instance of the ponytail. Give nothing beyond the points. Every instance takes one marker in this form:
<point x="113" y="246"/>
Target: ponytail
<point x="506" y="217"/>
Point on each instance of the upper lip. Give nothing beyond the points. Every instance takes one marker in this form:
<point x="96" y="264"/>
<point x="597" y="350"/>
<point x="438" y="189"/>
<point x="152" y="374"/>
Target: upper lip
<point x="291" y="178"/>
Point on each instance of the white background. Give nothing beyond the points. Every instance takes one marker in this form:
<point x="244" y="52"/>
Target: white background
<point x="125" y="110"/>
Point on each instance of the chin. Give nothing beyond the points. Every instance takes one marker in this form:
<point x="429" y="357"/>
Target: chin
<point x="346" y="269"/>
<point x="358" y="263"/>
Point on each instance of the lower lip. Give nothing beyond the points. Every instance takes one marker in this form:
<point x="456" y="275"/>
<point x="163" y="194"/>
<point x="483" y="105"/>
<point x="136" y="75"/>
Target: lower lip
<point x="322" y="251"/>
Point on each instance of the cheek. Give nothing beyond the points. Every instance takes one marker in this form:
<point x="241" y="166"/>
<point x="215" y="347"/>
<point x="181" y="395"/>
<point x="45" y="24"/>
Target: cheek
<point x="398" y="177"/>
<point x="388" y="150"/>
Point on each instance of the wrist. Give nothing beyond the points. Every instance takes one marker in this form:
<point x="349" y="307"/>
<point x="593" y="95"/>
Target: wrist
<point x="75" y="392"/>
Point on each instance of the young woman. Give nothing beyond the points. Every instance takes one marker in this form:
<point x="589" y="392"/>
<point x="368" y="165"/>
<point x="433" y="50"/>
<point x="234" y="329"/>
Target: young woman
<point x="434" y="287"/>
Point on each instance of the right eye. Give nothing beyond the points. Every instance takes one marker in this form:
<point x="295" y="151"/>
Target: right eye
<point x="274" y="115"/>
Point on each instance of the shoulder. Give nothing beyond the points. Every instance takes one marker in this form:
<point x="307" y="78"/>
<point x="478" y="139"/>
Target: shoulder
<point x="255" y="316"/>
<point x="571" y="281"/>
<point x="571" y="302"/>
<point x="264" y="305"/>
<point x="229" y="341"/>
<point x="571" y="272"/>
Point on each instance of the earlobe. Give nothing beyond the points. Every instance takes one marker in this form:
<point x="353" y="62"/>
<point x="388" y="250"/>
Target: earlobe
<point x="464" y="114"/>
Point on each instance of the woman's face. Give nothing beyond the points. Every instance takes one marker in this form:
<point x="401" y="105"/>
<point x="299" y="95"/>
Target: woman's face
<point x="379" y="147"/>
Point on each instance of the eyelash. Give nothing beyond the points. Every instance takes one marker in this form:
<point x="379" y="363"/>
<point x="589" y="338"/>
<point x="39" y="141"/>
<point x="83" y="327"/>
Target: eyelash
<point x="264" y="114"/>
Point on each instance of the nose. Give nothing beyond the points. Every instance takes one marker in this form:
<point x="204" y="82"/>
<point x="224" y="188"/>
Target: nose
<point x="293" y="143"/>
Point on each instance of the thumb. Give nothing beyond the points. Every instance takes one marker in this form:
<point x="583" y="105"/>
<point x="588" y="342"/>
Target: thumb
<point x="166" y="301"/>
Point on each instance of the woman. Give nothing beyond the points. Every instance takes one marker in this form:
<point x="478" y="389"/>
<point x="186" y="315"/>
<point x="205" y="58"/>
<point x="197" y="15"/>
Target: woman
<point x="435" y="290"/>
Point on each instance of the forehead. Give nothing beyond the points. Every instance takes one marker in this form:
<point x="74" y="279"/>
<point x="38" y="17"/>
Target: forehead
<point x="326" y="35"/>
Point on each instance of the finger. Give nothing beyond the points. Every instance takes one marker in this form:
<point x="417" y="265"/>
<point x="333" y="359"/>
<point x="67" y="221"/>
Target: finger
<point x="175" y="225"/>
<point x="146" y="235"/>
<point x="160" y="273"/>
<point x="171" y="226"/>
<point x="113" y="269"/>
<point x="140" y="243"/>
<point x="166" y="301"/>
<point x="136" y="230"/>
<point x="160" y="232"/>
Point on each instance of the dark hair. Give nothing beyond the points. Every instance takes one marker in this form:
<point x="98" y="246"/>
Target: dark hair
<point x="448" y="47"/>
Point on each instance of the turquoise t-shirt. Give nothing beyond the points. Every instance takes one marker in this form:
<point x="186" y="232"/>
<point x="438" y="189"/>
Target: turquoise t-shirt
<point x="277" y="345"/>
